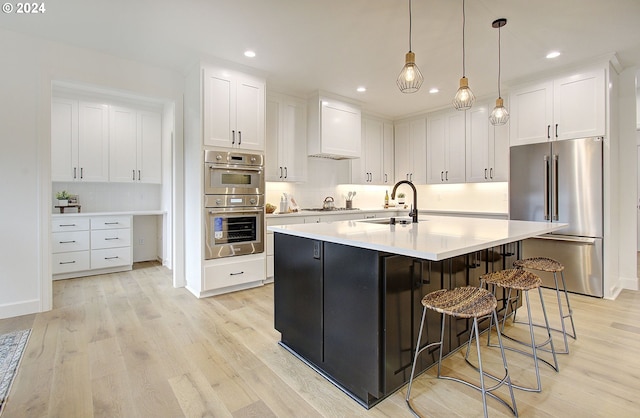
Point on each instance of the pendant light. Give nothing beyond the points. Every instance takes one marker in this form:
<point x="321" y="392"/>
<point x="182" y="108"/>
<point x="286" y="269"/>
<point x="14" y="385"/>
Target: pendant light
<point x="499" y="115"/>
<point x="410" y="78"/>
<point x="464" y="97"/>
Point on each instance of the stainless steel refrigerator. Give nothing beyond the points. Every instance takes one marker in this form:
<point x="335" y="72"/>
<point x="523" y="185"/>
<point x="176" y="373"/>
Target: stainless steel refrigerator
<point x="561" y="181"/>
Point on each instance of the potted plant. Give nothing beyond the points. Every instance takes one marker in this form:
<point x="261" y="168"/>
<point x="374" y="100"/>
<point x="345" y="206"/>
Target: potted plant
<point x="401" y="198"/>
<point x="63" y="198"/>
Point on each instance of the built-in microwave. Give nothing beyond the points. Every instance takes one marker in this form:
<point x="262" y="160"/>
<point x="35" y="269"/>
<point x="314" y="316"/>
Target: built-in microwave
<point x="233" y="173"/>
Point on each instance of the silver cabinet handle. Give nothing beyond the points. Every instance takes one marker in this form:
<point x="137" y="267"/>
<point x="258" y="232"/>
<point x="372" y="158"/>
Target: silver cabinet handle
<point x="138" y="175"/>
<point x="411" y="177"/>
<point x="545" y="183"/>
<point x="111" y="239"/>
<point x="485" y="173"/>
<point x="68" y="225"/>
<point x="111" y="223"/>
<point x="556" y="130"/>
<point x="236" y="274"/>
<point x="286" y="172"/>
<point x="239" y="137"/>
<point x="133" y="175"/>
<point x="446" y="175"/>
<point x="81" y="172"/>
<point x="67" y="262"/>
<point x="111" y="258"/>
<point x="442" y="176"/>
<point x="233" y="137"/>
<point x="386" y="179"/>
<point x="66" y="242"/>
<point x="74" y="172"/>
<point x="280" y="172"/>
<point x="491" y="172"/>
<point x="548" y="131"/>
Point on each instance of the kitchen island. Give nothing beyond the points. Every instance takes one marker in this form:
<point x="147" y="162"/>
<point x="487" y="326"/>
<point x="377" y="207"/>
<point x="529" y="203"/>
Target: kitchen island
<point x="347" y="294"/>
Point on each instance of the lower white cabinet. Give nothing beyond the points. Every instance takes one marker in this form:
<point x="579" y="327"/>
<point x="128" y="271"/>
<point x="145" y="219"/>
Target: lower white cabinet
<point x="85" y="246"/>
<point x="233" y="273"/>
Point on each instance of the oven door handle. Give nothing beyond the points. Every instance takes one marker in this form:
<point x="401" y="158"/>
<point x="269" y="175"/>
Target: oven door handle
<point x="235" y="211"/>
<point x="235" y="167"/>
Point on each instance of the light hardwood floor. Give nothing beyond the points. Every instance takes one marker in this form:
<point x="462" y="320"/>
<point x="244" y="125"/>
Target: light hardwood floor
<point x="130" y="345"/>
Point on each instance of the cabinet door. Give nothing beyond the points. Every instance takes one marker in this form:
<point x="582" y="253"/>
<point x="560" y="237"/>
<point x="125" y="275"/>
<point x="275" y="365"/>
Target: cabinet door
<point x="64" y="139"/>
<point x="499" y="153"/>
<point x="436" y="143"/>
<point x="274" y="171"/>
<point x="249" y="113"/>
<point x="477" y="152"/>
<point x="531" y="114"/>
<point x="122" y="144"/>
<point x="388" y="154"/>
<point x="455" y="148"/>
<point x="579" y="106"/>
<point x="93" y="142"/>
<point x="149" y="147"/>
<point x="219" y="103"/>
<point x="293" y="146"/>
<point x="419" y="151"/>
<point x="372" y="151"/>
<point x="402" y="150"/>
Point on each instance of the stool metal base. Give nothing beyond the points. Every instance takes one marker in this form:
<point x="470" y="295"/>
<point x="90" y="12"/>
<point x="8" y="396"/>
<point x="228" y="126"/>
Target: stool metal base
<point x="486" y="391"/>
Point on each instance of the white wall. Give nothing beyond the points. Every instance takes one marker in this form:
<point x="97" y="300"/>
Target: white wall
<point x="29" y="67"/>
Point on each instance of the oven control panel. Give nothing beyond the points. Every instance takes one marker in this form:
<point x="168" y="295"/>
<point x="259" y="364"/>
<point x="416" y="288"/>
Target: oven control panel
<point x="233" y="200"/>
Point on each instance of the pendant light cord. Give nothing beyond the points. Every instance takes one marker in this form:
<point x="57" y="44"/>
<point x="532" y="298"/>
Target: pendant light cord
<point x="409" y="25"/>
<point x="464" y="20"/>
<point x="499" y="59"/>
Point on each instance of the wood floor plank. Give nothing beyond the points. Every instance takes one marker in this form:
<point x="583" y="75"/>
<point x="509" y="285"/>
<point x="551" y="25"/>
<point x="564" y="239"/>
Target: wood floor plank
<point x="130" y="345"/>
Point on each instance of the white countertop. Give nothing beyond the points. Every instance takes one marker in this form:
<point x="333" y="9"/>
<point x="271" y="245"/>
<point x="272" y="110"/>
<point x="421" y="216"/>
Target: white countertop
<point x="125" y="212"/>
<point x="433" y="238"/>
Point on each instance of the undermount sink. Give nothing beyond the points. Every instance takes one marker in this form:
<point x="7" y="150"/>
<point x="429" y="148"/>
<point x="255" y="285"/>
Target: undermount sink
<point x="390" y="221"/>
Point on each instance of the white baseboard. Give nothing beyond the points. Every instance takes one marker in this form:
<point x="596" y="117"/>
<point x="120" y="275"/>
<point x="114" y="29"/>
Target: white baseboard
<point x="10" y="310"/>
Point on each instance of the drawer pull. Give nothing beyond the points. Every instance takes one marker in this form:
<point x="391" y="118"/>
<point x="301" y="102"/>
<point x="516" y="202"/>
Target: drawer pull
<point x="110" y="239"/>
<point x="66" y="242"/>
<point x="236" y="274"/>
<point x="68" y="225"/>
<point x="111" y="258"/>
<point x="111" y="223"/>
<point x="67" y="262"/>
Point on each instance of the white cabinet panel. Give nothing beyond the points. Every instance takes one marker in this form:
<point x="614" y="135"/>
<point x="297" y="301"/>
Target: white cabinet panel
<point x="286" y="139"/>
<point x="60" y="224"/>
<point x="232" y="272"/>
<point x="110" y="238"/>
<point x="334" y="128"/>
<point x="93" y="142"/>
<point x="69" y="241"/>
<point x="487" y="150"/>
<point x="110" y="257"/>
<point x="446" y="133"/>
<point x="110" y="222"/>
<point x="69" y="262"/>
<point x="411" y="151"/>
<point x="64" y="139"/>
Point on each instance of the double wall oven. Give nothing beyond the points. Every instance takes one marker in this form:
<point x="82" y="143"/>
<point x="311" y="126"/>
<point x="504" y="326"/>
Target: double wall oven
<point x="233" y="203"/>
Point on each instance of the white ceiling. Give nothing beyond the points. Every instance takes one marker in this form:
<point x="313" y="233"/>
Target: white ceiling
<point x="338" y="45"/>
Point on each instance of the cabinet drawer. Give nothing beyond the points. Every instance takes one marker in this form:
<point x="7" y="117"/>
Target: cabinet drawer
<point x="68" y="262"/>
<point x="69" y="224"/>
<point x="110" y="222"/>
<point x="110" y="238"/>
<point x="228" y="273"/>
<point x="69" y="241"/>
<point x="110" y="257"/>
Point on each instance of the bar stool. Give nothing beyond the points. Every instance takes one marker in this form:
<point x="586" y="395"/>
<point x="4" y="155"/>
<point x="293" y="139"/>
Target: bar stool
<point x="523" y="281"/>
<point x="553" y="266"/>
<point x="464" y="302"/>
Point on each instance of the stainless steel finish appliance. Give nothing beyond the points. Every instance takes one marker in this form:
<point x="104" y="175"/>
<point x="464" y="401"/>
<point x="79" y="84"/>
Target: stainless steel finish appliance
<point x="562" y="181"/>
<point x="233" y="204"/>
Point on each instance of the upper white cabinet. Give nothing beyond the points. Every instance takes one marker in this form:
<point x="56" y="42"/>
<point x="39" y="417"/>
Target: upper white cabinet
<point x="334" y="128"/>
<point x="411" y="151"/>
<point x="446" y="147"/>
<point x="79" y="141"/>
<point x="233" y="109"/>
<point x="487" y="150"/>
<point x="135" y="146"/>
<point x="375" y="166"/>
<point x="564" y="108"/>
<point x="286" y="138"/>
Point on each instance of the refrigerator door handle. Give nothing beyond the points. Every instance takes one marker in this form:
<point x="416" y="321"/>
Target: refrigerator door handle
<point x="546" y="187"/>
<point x="555" y="187"/>
<point x="568" y="238"/>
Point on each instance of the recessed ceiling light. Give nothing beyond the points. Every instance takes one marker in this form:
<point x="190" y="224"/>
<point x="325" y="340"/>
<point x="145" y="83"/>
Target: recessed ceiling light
<point x="553" y="54"/>
<point x="249" y="54"/>
<point x="434" y="90"/>
<point x="361" y="89"/>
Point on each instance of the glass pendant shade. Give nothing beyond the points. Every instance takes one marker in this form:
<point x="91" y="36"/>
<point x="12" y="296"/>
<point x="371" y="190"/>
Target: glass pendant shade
<point x="464" y="97"/>
<point x="499" y="115"/>
<point x="410" y="78"/>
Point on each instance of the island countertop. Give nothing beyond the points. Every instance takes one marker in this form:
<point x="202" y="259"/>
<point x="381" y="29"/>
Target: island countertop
<point x="432" y="238"/>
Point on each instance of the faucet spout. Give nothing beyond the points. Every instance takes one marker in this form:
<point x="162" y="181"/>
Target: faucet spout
<point x="414" y="210"/>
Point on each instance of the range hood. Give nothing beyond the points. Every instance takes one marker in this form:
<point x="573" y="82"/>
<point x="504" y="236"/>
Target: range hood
<point x="334" y="128"/>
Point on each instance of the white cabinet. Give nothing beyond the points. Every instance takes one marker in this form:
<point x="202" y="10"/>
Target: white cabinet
<point x="234" y="109"/>
<point x="84" y="246"/>
<point x="286" y="138"/>
<point x="79" y="141"/>
<point x="411" y="151"/>
<point x="334" y="128"/>
<point x="564" y="108"/>
<point x="135" y="145"/>
<point x="375" y="166"/>
<point x="487" y="150"/>
<point x="446" y="147"/>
